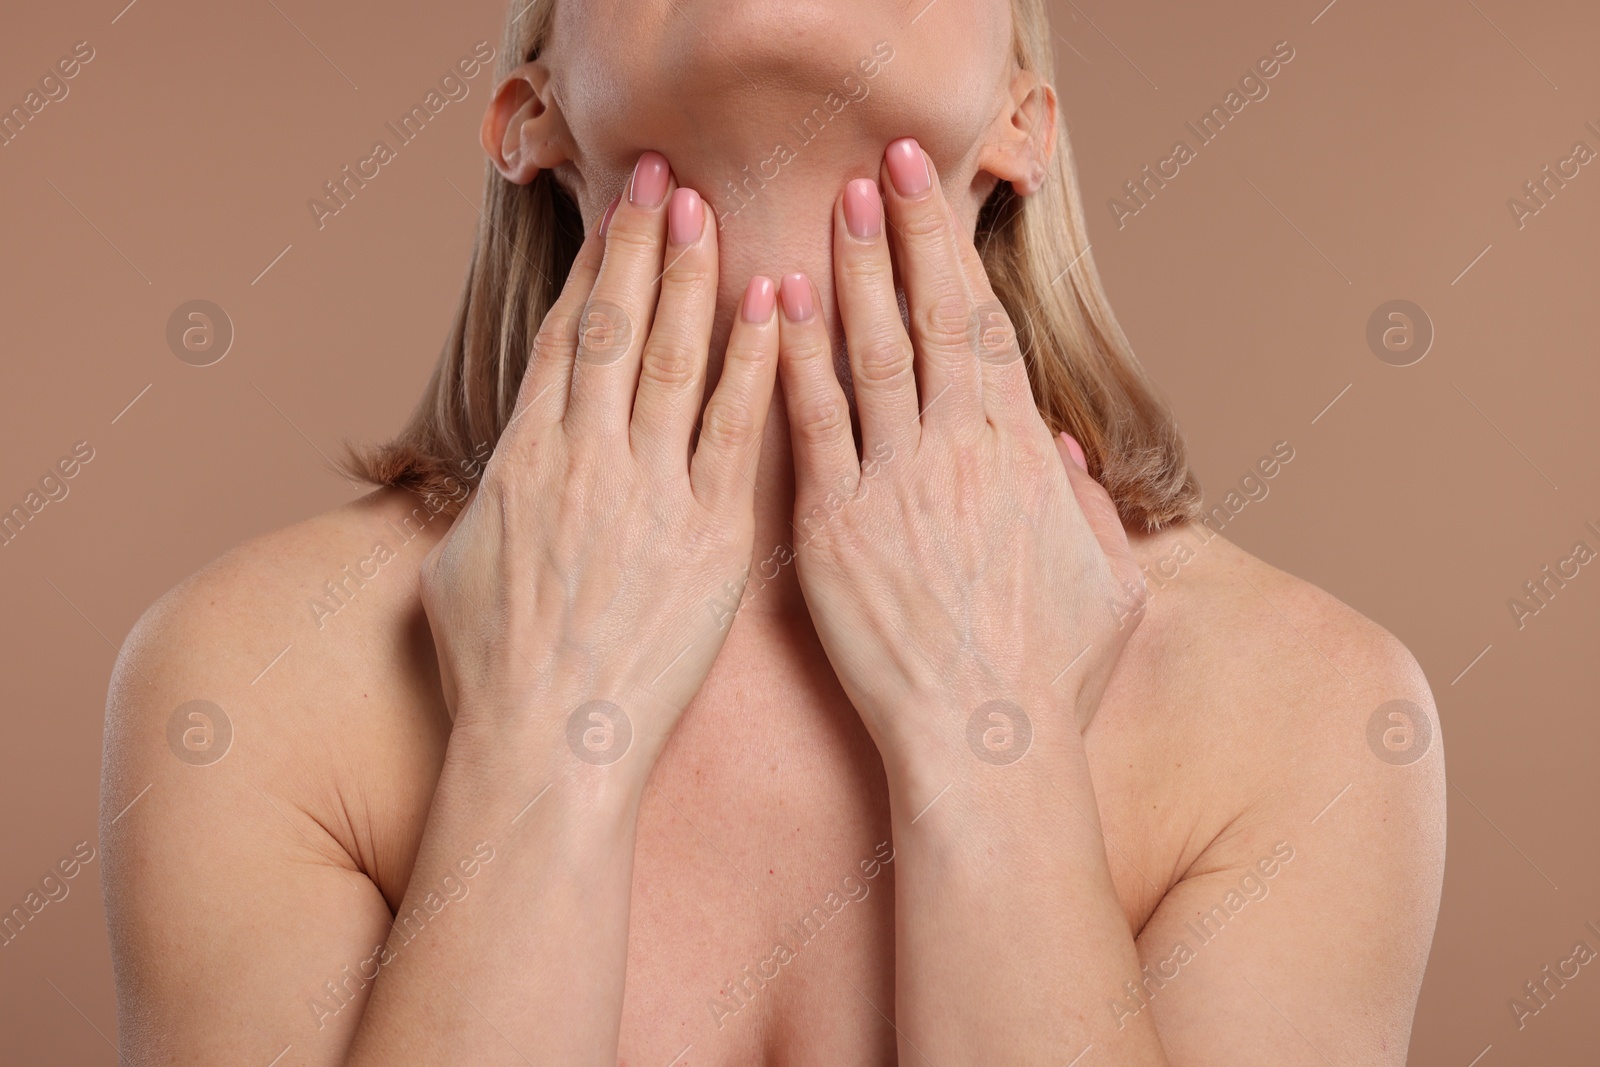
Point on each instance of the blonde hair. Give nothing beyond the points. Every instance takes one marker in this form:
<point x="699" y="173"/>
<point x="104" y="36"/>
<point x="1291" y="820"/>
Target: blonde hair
<point x="1085" y="377"/>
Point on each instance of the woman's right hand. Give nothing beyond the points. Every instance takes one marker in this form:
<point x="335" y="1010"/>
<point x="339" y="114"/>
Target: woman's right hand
<point x="588" y="584"/>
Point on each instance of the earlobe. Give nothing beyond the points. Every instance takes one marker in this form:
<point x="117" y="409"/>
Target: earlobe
<point x="523" y="130"/>
<point x="1024" y="135"/>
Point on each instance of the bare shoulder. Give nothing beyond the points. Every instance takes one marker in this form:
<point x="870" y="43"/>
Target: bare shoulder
<point x="289" y="613"/>
<point x="1285" y="707"/>
<point x="1236" y="625"/>
<point x="1285" y="750"/>
<point x="273" y="734"/>
<point x="296" y="664"/>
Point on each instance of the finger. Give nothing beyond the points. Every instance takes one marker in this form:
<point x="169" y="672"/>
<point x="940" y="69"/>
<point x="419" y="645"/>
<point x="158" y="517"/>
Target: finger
<point x="722" y="472"/>
<point x="1007" y="393"/>
<point x="672" y="369"/>
<point x="819" y="417"/>
<point x="1100" y="511"/>
<point x="616" y="319"/>
<point x="542" y="397"/>
<point x="881" y="362"/>
<point x="940" y="307"/>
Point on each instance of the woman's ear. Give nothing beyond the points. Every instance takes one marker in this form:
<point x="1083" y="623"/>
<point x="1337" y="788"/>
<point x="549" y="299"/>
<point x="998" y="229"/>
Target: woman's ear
<point x="524" y="131"/>
<point x="1023" y="137"/>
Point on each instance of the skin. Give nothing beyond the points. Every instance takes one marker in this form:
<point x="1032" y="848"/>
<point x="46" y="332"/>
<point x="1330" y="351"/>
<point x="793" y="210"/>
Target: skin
<point x="409" y="755"/>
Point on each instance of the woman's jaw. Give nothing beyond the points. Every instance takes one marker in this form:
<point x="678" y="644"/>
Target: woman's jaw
<point x="767" y="108"/>
<point x="771" y="192"/>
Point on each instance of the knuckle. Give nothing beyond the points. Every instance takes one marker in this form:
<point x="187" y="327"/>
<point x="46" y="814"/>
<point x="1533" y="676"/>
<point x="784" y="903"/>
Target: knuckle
<point x="944" y="318"/>
<point x="604" y="332"/>
<point x="884" y="358"/>
<point x="742" y="358"/>
<point x="821" y="420"/>
<point x="993" y="334"/>
<point x="633" y="236"/>
<point x="667" y="363"/>
<point x="805" y="346"/>
<point x="554" y="338"/>
<point x="691" y="275"/>
<point x="861" y="269"/>
<point x="926" y="222"/>
<point x="726" y="425"/>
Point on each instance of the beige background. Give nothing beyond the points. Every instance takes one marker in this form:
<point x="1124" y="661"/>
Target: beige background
<point x="1378" y="168"/>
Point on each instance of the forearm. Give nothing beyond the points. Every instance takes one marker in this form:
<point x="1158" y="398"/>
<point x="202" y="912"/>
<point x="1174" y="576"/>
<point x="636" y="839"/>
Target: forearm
<point x="1010" y="937"/>
<point x="527" y="965"/>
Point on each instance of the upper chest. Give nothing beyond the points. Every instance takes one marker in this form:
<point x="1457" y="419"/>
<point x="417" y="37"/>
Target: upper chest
<point x="762" y="921"/>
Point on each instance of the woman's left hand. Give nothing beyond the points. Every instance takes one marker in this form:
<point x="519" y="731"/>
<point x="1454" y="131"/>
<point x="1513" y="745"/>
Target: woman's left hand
<point x="972" y="585"/>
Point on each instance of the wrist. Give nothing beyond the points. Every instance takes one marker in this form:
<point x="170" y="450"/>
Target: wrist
<point x="989" y="755"/>
<point x="593" y="759"/>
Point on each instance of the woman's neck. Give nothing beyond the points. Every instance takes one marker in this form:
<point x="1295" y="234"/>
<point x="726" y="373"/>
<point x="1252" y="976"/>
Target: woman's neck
<point x="774" y="211"/>
<point x="782" y="226"/>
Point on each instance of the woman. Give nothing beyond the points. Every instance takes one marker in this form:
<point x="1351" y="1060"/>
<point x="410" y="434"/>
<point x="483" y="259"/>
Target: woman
<point x="786" y="690"/>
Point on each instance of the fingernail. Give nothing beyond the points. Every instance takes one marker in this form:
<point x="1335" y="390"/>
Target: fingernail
<point x="759" y="299"/>
<point x="863" y="211"/>
<point x="649" y="180"/>
<point x="686" y="217"/>
<point x="611" y="209"/>
<point x="908" y="168"/>
<point x="797" y="304"/>
<point x="1076" y="450"/>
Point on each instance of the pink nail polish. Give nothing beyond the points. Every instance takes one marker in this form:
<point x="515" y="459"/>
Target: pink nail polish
<point x="908" y="168"/>
<point x="605" y="219"/>
<point x="759" y="299"/>
<point x="863" y="211"/>
<point x="649" y="180"/>
<point x="686" y="217"/>
<point x="797" y="303"/>
<point x="1077" y="451"/>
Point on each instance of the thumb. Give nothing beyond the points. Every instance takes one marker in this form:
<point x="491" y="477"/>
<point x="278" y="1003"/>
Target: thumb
<point x="1101" y="513"/>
